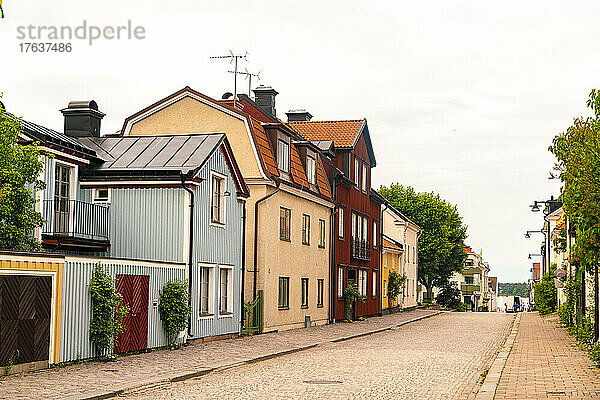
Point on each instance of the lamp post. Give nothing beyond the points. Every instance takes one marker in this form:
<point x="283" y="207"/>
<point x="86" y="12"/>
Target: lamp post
<point x="549" y="206"/>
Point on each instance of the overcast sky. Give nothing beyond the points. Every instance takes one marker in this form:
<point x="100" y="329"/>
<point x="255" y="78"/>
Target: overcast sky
<point x="462" y="98"/>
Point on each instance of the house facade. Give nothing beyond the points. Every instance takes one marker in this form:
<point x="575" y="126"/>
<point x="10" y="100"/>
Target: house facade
<point x="473" y="282"/>
<point x="398" y="229"/>
<point x="348" y="157"/>
<point x="286" y="244"/>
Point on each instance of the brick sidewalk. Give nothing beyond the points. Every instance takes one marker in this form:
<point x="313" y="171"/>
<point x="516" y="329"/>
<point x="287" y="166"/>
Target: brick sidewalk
<point x="545" y="363"/>
<point x="97" y="377"/>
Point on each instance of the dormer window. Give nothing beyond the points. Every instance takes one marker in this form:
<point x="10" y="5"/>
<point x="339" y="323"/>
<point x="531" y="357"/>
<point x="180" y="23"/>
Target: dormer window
<point x="283" y="155"/>
<point x="311" y="169"/>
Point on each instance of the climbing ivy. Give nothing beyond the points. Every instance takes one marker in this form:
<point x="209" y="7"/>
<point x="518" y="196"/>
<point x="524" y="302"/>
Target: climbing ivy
<point x="174" y="308"/>
<point x="108" y="311"/>
<point x="350" y="295"/>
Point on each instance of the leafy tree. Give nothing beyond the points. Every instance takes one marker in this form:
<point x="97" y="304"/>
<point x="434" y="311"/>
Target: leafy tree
<point x="513" y="289"/>
<point x="108" y="310"/>
<point x="449" y="296"/>
<point x="441" y="245"/>
<point x="395" y="285"/>
<point x="174" y="308"/>
<point x="20" y="166"/>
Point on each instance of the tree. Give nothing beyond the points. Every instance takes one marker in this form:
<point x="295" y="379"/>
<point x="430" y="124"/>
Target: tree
<point x="395" y="285"/>
<point x="449" y="296"/>
<point x="441" y="245"/>
<point x="513" y="289"/>
<point x="20" y="166"/>
<point x="577" y="151"/>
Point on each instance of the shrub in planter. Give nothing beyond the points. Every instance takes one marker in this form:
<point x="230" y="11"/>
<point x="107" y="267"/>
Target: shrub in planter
<point x="174" y="308"/>
<point x="395" y="284"/>
<point x="350" y="295"/>
<point x="108" y="311"/>
<point x="449" y="295"/>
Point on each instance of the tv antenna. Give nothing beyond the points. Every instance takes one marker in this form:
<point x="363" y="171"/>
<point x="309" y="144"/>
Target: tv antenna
<point x="249" y="76"/>
<point x="233" y="58"/>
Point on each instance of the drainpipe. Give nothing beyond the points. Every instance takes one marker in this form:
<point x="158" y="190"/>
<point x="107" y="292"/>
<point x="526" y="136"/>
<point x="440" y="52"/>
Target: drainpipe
<point x="379" y="269"/>
<point x="417" y="255"/>
<point x="255" y="272"/>
<point x="243" y="268"/>
<point x="191" y="249"/>
<point x="333" y="270"/>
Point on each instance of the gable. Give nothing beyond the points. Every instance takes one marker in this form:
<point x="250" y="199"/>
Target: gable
<point x="187" y="114"/>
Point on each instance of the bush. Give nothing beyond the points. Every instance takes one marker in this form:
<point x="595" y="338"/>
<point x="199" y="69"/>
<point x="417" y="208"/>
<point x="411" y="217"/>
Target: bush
<point x="595" y="353"/>
<point x="395" y="284"/>
<point x="462" y="307"/>
<point x="174" y="308"/>
<point x="545" y="295"/>
<point x="107" y="310"/>
<point x="350" y="295"/>
<point x="449" y="295"/>
<point x="565" y="315"/>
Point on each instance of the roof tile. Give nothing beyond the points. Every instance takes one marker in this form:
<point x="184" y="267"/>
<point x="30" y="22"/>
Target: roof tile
<point x="343" y="133"/>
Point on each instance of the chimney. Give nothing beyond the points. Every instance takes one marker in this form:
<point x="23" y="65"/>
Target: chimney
<point x="82" y="118"/>
<point x="300" y="115"/>
<point x="265" y="97"/>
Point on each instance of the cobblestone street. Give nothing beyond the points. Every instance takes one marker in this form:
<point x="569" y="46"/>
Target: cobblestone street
<point x="437" y="358"/>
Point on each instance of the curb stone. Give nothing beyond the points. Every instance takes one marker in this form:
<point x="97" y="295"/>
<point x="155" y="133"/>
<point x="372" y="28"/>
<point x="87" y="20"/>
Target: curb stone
<point x="178" y="377"/>
<point x="492" y="379"/>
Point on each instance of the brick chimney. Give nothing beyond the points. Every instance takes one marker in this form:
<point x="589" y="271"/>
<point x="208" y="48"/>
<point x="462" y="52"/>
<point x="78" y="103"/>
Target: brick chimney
<point x="300" y="115"/>
<point x="265" y="97"/>
<point x="82" y="118"/>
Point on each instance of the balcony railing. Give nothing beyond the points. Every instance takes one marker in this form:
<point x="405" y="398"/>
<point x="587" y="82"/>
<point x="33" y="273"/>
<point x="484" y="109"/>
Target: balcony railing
<point x="76" y="219"/>
<point x="360" y="249"/>
<point x="469" y="288"/>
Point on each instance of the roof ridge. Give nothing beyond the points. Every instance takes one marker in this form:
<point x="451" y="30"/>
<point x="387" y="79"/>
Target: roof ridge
<point x="325" y="121"/>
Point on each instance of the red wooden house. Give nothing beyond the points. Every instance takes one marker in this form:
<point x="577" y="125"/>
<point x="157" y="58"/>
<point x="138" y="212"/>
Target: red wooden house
<point x="357" y="227"/>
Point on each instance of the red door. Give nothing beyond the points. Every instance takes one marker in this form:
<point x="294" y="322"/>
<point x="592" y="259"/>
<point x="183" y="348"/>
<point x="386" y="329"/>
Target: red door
<point x="134" y="289"/>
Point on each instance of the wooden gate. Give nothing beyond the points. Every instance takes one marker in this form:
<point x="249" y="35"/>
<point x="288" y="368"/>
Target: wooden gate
<point x="134" y="289"/>
<point x="253" y="315"/>
<point x="24" y="318"/>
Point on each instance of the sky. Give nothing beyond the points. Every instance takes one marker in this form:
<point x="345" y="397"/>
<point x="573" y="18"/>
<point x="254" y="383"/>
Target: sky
<point x="462" y="98"/>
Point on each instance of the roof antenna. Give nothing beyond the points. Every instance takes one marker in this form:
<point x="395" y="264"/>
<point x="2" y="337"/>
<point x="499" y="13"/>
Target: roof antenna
<point x="249" y="76"/>
<point x="234" y="59"/>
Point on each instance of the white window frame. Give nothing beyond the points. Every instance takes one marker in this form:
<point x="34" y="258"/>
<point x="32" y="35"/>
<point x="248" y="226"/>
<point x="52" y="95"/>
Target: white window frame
<point x="322" y="234"/>
<point x="283" y="161"/>
<point x="374" y="288"/>
<point x="340" y="280"/>
<point x="375" y="234"/>
<point x="311" y="169"/>
<point x="229" y="312"/>
<point x="362" y="283"/>
<point x="211" y="291"/>
<point x="357" y="167"/>
<point x="97" y="199"/>
<point x="341" y="223"/>
<point x="222" y="223"/>
<point x="363" y="174"/>
<point x="306" y="229"/>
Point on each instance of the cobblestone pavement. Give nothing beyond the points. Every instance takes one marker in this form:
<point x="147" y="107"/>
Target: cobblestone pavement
<point x="545" y="363"/>
<point x="137" y="369"/>
<point x="436" y="358"/>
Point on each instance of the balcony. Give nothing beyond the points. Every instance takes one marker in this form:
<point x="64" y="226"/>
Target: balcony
<point x="75" y="225"/>
<point x="467" y="288"/>
<point x="360" y="249"/>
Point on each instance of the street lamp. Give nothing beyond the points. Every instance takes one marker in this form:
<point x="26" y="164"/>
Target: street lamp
<point x="549" y="206"/>
<point x="533" y="255"/>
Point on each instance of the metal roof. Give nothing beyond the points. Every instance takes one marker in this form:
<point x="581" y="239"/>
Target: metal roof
<point x="182" y="153"/>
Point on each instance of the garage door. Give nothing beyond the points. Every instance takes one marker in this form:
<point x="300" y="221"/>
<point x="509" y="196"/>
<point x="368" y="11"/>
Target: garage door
<point x="24" y="318"/>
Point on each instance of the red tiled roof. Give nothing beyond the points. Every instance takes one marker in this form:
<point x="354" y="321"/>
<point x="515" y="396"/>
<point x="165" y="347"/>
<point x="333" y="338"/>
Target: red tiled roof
<point x="342" y="133"/>
<point x="388" y="244"/>
<point x="263" y="147"/>
<point x="322" y="183"/>
<point x="298" y="174"/>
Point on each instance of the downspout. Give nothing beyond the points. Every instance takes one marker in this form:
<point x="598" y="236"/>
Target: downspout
<point x="333" y="270"/>
<point x="417" y="255"/>
<point x="255" y="272"/>
<point x="191" y="250"/>
<point x="379" y="267"/>
<point x="243" y="268"/>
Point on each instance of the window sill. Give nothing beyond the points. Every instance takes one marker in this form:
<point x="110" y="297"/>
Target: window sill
<point x="218" y="224"/>
<point x="319" y="305"/>
<point x="321" y="247"/>
<point x="304" y="307"/>
<point x="226" y="315"/>
<point x="306" y="244"/>
<point x="283" y="308"/>
<point x="206" y="316"/>
<point x="285" y="240"/>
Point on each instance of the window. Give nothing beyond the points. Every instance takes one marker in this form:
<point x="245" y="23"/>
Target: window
<point x="285" y="221"/>
<point x="320" y="287"/>
<point x="101" y="195"/>
<point x="311" y="169"/>
<point x="364" y="177"/>
<point x="304" y="292"/>
<point x="362" y="283"/>
<point x="469" y="280"/>
<point x="225" y="301"/>
<point x="217" y="211"/>
<point x="322" y="233"/>
<point x="359" y="227"/>
<point x="374" y="288"/>
<point x="205" y="291"/>
<point x="357" y="171"/>
<point x="62" y="197"/>
<point x="341" y="223"/>
<point x="306" y="229"/>
<point x="284" y="293"/>
<point x="283" y="156"/>
<point x="340" y="283"/>
<point x="384" y="288"/>
<point x="374" y="234"/>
